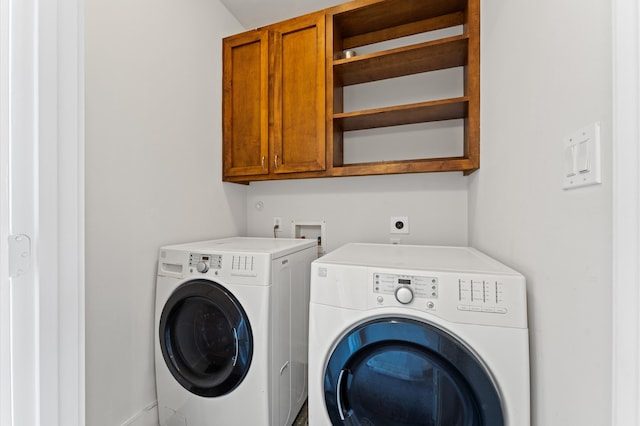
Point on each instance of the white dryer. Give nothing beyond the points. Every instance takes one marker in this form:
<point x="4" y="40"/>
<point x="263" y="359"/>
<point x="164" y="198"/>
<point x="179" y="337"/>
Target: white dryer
<point x="231" y="326"/>
<point x="417" y="335"/>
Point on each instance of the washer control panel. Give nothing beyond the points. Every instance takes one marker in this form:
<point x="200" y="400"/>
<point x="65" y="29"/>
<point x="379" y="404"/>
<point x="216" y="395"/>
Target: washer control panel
<point x="405" y="287"/>
<point x="203" y="262"/>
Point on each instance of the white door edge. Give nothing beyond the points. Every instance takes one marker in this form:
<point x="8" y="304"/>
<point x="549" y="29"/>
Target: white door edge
<point x="626" y="214"/>
<point x="42" y="196"/>
<point x="5" y="350"/>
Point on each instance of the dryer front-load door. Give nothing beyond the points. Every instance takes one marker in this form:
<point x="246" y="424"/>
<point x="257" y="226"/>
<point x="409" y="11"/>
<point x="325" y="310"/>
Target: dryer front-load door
<point x="206" y="339"/>
<point x="396" y="371"/>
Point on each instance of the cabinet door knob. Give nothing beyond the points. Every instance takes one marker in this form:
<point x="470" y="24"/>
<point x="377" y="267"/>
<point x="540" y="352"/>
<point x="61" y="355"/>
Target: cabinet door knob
<point x="275" y="161"/>
<point x="262" y="162"/>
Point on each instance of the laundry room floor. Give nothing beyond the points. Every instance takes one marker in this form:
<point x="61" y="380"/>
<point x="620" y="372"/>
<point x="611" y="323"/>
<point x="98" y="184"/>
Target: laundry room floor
<point x="303" y="418"/>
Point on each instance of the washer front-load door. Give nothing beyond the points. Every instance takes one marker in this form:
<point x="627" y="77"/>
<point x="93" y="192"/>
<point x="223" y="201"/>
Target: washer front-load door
<point x="206" y="338"/>
<point x="396" y="371"/>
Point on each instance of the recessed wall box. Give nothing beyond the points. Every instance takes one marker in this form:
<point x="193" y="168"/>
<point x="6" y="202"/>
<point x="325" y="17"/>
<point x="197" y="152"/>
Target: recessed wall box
<point x="311" y="229"/>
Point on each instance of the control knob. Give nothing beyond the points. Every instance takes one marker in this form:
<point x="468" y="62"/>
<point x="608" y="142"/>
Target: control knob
<point x="404" y="295"/>
<point x="202" y="267"/>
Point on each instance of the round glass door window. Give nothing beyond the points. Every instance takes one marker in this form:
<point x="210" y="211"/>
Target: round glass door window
<point x="406" y="373"/>
<point x="206" y="338"/>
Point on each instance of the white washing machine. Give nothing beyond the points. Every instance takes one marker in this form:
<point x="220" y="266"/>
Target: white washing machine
<point x="231" y="331"/>
<point x="417" y="335"/>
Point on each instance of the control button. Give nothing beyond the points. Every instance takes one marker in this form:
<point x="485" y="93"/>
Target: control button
<point x="431" y="305"/>
<point x="202" y="267"/>
<point x="488" y="310"/>
<point x="475" y="308"/>
<point x="380" y="299"/>
<point x="404" y="295"/>
<point x="463" y="308"/>
<point x="500" y="310"/>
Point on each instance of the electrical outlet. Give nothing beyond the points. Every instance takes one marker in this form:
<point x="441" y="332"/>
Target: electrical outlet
<point x="277" y="221"/>
<point x="399" y="225"/>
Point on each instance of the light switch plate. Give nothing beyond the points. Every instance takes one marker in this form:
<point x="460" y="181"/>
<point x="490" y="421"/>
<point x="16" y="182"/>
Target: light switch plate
<point x="581" y="158"/>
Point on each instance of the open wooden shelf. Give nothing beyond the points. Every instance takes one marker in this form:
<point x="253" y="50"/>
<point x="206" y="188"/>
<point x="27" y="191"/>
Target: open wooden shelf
<point x="368" y="16"/>
<point x="448" y="164"/>
<point x="435" y="55"/>
<point x="412" y="28"/>
<point x="439" y="110"/>
<point x="368" y="22"/>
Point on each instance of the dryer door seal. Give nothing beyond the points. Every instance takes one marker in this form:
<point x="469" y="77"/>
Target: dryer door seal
<point x="206" y="338"/>
<point x="396" y="371"/>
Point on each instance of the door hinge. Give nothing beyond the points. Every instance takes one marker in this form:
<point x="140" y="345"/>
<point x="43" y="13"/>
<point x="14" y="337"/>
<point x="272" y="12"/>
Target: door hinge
<point x="19" y="254"/>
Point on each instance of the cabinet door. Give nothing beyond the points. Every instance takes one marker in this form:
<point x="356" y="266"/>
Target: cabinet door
<point x="298" y="132"/>
<point x="245" y="107"/>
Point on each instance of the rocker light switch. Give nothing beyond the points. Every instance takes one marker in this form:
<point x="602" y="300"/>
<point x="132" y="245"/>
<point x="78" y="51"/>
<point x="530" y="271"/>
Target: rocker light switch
<point x="581" y="158"/>
<point x="569" y="161"/>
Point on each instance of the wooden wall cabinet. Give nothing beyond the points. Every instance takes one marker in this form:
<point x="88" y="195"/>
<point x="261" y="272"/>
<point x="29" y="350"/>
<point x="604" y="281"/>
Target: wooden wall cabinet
<point x="245" y="108"/>
<point x="284" y="88"/>
<point x="274" y="101"/>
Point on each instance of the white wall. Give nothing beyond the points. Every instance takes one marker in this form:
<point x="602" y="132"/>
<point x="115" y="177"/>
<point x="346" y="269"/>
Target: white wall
<point x="358" y="209"/>
<point x="153" y="146"/>
<point x="546" y="72"/>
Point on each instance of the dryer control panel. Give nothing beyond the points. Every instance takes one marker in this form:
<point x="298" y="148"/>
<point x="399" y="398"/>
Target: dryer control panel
<point x="405" y="287"/>
<point x="459" y="297"/>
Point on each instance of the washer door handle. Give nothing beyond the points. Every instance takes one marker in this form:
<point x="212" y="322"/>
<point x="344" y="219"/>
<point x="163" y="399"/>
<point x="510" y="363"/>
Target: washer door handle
<point x="286" y="364"/>
<point x="235" y="338"/>
<point x="344" y="372"/>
